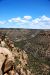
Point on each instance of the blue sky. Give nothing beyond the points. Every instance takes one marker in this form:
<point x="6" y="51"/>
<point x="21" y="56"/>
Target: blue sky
<point x="33" y="14"/>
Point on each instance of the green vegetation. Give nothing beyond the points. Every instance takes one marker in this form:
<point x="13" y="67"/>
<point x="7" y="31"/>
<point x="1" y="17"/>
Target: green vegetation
<point x="17" y="61"/>
<point x="20" y="44"/>
<point x="35" y="47"/>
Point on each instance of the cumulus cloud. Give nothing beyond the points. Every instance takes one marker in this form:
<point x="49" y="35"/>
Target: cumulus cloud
<point x="27" y="17"/>
<point x="18" y="20"/>
<point x="2" y="22"/>
<point x="41" y="22"/>
<point x="14" y="19"/>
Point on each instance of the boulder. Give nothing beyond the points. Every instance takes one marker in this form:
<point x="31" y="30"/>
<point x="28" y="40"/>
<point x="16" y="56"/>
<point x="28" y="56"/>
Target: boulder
<point x="5" y="51"/>
<point x="2" y="58"/>
<point x="8" y="66"/>
<point x="5" y="63"/>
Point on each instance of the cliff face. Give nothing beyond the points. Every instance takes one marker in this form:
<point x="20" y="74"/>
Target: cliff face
<point x="30" y="49"/>
<point x="13" y="61"/>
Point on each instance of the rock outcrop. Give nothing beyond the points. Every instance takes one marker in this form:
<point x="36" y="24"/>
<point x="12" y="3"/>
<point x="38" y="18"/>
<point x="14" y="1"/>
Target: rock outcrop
<point x="8" y="55"/>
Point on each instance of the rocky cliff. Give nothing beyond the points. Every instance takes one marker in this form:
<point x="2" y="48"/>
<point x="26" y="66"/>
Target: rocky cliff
<point x="30" y="49"/>
<point x="13" y="60"/>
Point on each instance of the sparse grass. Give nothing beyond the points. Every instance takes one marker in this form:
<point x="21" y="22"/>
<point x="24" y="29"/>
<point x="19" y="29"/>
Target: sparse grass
<point x="17" y="61"/>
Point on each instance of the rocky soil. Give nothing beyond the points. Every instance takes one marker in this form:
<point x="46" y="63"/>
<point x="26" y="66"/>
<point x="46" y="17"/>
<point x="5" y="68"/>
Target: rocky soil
<point x="13" y="60"/>
<point x="27" y="52"/>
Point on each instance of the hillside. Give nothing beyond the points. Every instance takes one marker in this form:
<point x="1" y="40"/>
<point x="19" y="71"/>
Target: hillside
<point x="36" y="43"/>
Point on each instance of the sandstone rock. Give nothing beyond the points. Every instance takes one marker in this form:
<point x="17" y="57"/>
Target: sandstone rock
<point x="17" y="73"/>
<point x="3" y="44"/>
<point x="5" y="51"/>
<point x="5" y="64"/>
<point x="2" y="58"/>
<point x="8" y="66"/>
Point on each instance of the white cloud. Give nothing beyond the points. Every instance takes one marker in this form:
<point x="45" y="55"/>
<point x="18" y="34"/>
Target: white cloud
<point x="27" y="17"/>
<point x="2" y="22"/>
<point x="43" y="20"/>
<point x="14" y="19"/>
<point x="28" y="22"/>
<point x="18" y="20"/>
